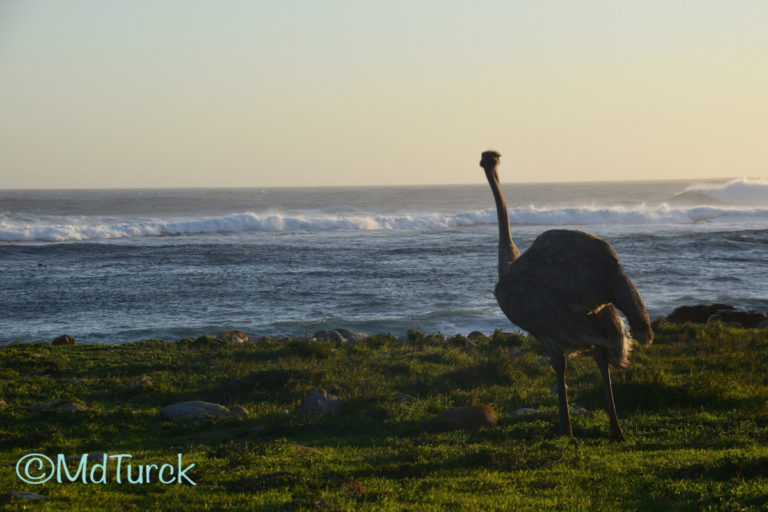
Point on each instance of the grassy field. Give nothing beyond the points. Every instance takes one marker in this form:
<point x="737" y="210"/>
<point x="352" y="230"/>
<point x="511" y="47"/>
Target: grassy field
<point x="693" y="408"/>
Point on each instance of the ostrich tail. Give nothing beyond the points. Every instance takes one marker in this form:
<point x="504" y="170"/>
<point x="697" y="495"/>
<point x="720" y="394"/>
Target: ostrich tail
<point x="628" y="300"/>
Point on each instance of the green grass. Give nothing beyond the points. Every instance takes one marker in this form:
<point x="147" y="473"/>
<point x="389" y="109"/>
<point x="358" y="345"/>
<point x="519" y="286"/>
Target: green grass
<point x="693" y="408"/>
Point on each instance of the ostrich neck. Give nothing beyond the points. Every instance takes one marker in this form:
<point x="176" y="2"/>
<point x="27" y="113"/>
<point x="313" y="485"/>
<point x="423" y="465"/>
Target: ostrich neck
<point x="508" y="252"/>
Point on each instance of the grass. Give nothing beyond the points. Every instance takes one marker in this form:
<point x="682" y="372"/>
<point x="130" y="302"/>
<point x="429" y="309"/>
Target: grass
<point x="693" y="408"/>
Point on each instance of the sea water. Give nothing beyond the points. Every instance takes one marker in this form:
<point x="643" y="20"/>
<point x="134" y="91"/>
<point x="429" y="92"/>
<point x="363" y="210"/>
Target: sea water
<point x="112" y="266"/>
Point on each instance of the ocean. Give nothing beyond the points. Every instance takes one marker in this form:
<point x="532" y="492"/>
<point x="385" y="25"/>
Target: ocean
<point x="113" y="266"/>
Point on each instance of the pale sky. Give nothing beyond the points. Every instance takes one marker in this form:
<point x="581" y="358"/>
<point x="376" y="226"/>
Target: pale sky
<point x="148" y="93"/>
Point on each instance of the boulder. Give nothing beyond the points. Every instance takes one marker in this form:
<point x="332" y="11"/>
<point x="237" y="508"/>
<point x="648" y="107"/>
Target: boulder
<point x="469" y="418"/>
<point x="144" y="382"/>
<point x="402" y="397"/>
<point x="320" y="403"/>
<point x="329" y="336"/>
<point x="65" y="339"/>
<point x="476" y="335"/>
<point x="749" y="319"/>
<point x="698" y="314"/>
<point x="7" y="497"/>
<point x="72" y="407"/>
<point x="523" y="411"/>
<point x="39" y="406"/>
<point x="193" y="410"/>
<point x="233" y="336"/>
<point x="348" y="335"/>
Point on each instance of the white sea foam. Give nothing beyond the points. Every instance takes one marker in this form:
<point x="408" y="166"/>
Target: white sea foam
<point x="740" y="191"/>
<point x="58" y="228"/>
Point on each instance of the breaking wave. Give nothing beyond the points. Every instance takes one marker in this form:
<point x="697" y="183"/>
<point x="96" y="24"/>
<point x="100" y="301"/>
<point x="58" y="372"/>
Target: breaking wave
<point x="59" y="229"/>
<point x="740" y="191"/>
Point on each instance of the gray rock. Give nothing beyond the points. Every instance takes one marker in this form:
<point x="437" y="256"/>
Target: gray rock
<point x="321" y="403"/>
<point x="577" y="410"/>
<point x="328" y="336"/>
<point x="41" y="405"/>
<point x="233" y="336"/>
<point x="542" y="361"/>
<point x="145" y="381"/>
<point x="523" y="411"/>
<point x="76" y="380"/>
<point x="348" y="335"/>
<point x="475" y="335"/>
<point x="65" y="339"/>
<point x="7" y="497"/>
<point x="515" y="352"/>
<point x="97" y="456"/>
<point x="469" y="418"/>
<point x="193" y="410"/>
<point x="72" y="407"/>
<point x="402" y="397"/>
<point x="239" y="411"/>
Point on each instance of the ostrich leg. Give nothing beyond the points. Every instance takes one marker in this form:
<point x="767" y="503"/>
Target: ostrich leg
<point x="601" y="357"/>
<point x="558" y="364"/>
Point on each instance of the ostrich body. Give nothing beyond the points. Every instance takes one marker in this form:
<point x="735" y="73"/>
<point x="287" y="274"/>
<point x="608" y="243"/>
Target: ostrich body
<point x="566" y="290"/>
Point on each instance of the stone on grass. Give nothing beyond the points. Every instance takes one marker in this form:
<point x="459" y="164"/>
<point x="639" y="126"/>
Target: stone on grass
<point x="577" y="410"/>
<point x="65" y="339"/>
<point x="72" y="407"/>
<point x="145" y="381"/>
<point x="234" y="336"/>
<point x="469" y="418"/>
<point x="523" y="411"/>
<point x="6" y="498"/>
<point x="402" y="397"/>
<point x="76" y="380"/>
<point x="348" y="335"/>
<point x="475" y="335"/>
<point x="328" y="336"/>
<point x="238" y="411"/>
<point x="320" y="403"/>
<point x="193" y="410"/>
<point x="39" y="406"/>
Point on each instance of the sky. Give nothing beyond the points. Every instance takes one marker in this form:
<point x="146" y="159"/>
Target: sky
<point x="188" y="93"/>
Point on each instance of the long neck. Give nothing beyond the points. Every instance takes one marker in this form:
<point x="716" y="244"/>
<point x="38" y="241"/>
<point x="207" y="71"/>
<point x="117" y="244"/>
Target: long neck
<point x="508" y="252"/>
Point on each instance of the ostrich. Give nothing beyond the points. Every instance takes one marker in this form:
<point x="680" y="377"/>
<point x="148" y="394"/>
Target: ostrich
<point x="566" y="290"/>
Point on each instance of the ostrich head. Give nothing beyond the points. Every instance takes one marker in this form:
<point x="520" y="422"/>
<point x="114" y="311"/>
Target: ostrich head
<point x="490" y="160"/>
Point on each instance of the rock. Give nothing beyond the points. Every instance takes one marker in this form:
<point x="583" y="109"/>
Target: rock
<point x="748" y="319"/>
<point x="41" y="406"/>
<point x="234" y="336"/>
<point x="402" y="397"/>
<point x="145" y="381"/>
<point x="515" y="352"/>
<point x="7" y="497"/>
<point x="542" y="361"/>
<point x="97" y="456"/>
<point x="469" y="418"/>
<point x="577" y="410"/>
<point x="193" y="410"/>
<point x="698" y="314"/>
<point x="523" y="411"/>
<point x="328" y="336"/>
<point x="320" y="402"/>
<point x="72" y="407"/>
<point x="239" y="411"/>
<point x="66" y="339"/>
<point x="348" y="335"/>
<point x="76" y="380"/>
